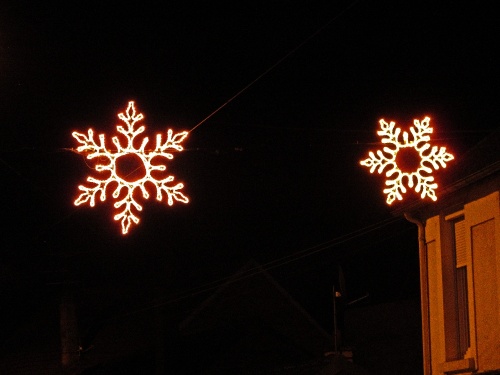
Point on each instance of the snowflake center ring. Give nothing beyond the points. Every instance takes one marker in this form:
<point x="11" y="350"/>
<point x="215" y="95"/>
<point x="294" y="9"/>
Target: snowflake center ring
<point x="408" y="159"/>
<point x="130" y="167"/>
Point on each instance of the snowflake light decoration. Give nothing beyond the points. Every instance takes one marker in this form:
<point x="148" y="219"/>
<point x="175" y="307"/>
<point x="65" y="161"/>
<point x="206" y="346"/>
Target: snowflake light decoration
<point x="124" y="190"/>
<point x="420" y="179"/>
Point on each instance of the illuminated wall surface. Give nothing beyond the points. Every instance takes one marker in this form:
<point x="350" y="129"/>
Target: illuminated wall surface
<point x="463" y="268"/>
<point x="393" y="159"/>
<point x="127" y="185"/>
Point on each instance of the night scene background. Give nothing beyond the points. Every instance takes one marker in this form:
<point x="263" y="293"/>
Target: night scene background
<point x="287" y="97"/>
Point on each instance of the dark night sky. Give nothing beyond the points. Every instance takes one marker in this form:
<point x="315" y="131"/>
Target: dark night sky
<point x="271" y="176"/>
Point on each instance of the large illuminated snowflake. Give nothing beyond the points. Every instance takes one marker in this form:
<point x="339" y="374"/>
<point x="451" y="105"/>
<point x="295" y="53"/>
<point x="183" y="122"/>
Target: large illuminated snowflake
<point x="124" y="191"/>
<point x="420" y="179"/>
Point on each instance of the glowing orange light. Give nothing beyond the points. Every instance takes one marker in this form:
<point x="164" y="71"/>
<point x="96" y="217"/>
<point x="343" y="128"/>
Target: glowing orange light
<point x="98" y="150"/>
<point x="419" y="179"/>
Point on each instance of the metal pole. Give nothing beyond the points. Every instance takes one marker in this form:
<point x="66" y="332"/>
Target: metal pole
<point x="424" y="292"/>
<point x="334" y="322"/>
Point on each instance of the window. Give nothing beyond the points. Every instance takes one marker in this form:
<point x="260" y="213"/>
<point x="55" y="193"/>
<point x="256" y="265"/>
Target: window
<point x="455" y="288"/>
<point x="462" y="301"/>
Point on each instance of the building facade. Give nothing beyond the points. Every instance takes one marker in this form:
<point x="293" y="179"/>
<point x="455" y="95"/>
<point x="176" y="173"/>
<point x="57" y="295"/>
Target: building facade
<point x="459" y="244"/>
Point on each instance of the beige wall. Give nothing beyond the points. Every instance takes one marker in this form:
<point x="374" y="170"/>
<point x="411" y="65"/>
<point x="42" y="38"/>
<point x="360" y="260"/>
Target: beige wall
<point x="482" y="246"/>
<point x="483" y="220"/>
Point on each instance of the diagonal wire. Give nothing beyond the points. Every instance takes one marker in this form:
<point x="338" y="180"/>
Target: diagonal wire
<point x="300" y="45"/>
<point x="248" y="273"/>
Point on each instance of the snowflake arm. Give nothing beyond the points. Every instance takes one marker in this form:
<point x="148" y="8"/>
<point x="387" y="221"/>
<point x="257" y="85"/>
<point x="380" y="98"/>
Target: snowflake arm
<point x="388" y="133"/>
<point x="172" y="142"/>
<point x="130" y="118"/>
<point x="426" y="185"/>
<point x="436" y="157"/>
<point x="423" y="129"/>
<point x="89" y="194"/>
<point x="127" y="216"/>
<point x="88" y="144"/>
<point x="173" y="192"/>
<point x="380" y="162"/>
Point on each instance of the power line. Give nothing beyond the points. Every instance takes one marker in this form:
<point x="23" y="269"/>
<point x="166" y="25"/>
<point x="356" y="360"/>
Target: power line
<point x="300" y="45"/>
<point x="279" y="262"/>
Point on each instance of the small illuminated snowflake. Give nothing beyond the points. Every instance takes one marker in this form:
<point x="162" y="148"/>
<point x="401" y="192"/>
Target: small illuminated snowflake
<point x="420" y="178"/>
<point x="125" y="189"/>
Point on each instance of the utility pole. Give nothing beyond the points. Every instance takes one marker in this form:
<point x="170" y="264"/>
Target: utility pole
<point x="335" y="344"/>
<point x="68" y="332"/>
